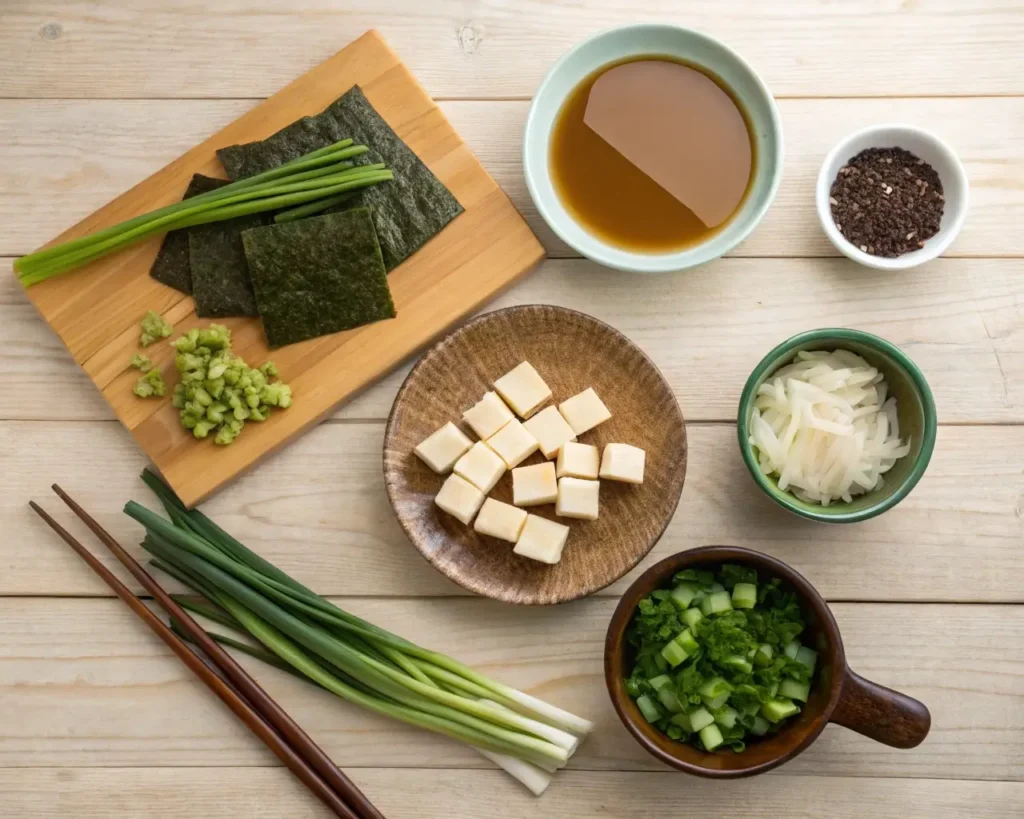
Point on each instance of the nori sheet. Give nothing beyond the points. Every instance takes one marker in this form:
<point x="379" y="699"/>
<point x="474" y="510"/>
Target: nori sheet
<point x="318" y="276"/>
<point x="407" y="211"/>
<point x="220" y="273"/>
<point x="172" y="265"/>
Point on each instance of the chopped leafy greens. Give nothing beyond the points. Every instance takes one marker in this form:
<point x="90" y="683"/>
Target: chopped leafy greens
<point x="717" y="659"/>
<point x="151" y="385"/>
<point x="154" y="328"/>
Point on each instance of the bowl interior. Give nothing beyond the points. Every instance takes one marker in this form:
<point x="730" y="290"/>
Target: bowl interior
<point x="915" y="409"/>
<point x="926" y="146"/>
<point x="621" y="43"/>
<point x="761" y="754"/>
<point x="572" y="352"/>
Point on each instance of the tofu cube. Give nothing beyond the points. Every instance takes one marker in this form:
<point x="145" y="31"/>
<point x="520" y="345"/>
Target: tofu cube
<point x="513" y="443"/>
<point x="578" y="461"/>
<point x="622" y="462"/>
<point x="584" y="411"/>
<point x="551" y="431"/>
<point x="534" y="485"/>
<point x="542" y="540"/>
<point x="523" y="389"/>
<point x="577" y="498"/>
<point x="500" y="520"/>
<point x="481" y="466"/>
<point x="488" y="415"/>
<point x="442" y="449"/>
<point x="459" y="498"/>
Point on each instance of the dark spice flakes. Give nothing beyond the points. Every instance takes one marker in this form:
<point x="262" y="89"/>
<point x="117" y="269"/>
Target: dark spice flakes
<point x="887" y="201"/>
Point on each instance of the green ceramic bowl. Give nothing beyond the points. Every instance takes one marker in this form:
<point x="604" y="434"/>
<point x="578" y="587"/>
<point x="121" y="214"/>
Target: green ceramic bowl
<point x="915" y="407"/>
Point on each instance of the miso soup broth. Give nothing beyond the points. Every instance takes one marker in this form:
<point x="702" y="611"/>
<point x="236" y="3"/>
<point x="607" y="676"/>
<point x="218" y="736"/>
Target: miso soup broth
<point x="652" y="154"/>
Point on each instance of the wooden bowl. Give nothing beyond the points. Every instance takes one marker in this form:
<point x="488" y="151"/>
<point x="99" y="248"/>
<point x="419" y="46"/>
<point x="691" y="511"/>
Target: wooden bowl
<point x="838" y="694"/>
<point x="571" y="351"/>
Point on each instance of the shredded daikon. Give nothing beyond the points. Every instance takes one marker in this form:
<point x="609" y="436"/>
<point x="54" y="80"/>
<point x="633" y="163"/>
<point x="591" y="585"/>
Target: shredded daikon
<point x="825" y="428"/>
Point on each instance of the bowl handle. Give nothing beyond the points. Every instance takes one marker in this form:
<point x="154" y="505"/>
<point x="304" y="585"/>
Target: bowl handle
<point x="880" y="713"/>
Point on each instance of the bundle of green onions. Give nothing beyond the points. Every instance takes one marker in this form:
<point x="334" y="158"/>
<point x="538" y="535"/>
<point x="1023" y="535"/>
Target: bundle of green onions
<point x="306" y="185"/>
<point x="299" y="630"/>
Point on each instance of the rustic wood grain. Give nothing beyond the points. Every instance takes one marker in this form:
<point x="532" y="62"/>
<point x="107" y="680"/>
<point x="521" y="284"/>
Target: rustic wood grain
<point x="319" y="510"/>
<point x="161" y="48"/>
<point x="64" y="158"/>
<point x="88" y="689"/>
<point x="96" y="310"/>
<point x="572" y="352"/>
<point x="227" y="793"/>
<point x="961" y="321"/>
<point x="84" y="684"/>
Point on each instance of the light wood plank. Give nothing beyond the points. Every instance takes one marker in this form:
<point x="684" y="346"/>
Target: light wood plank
<point x="62" y="159"/>
<point x="961" y="321"/>
<point x="84" y="683"/>
<point x="319" y="510"/>
<point x="161" y="48"/>
<point x="227" y="793"/>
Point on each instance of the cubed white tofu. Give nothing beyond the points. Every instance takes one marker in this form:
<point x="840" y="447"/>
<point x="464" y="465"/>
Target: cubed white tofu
<point x="481" y="466"/>
<point x="551" y="431"/>
<point x="578" y="461"/>
<point x="542" y="540"/>
<point x="577" y="498"/>
<point x="442" y="449"/>
<point x="459" y="498"/>
<point x="523" y="389"/>
<point x="488" y="415"/>
<point x="584" y="411"/>
<point x="500" y="520"/>
<point x="513" y="443"/>
<point x="534" y="485"/>
<point x="622" y="462"/>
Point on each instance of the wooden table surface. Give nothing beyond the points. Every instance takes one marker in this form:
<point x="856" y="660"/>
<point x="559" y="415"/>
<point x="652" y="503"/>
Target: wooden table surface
<point x="98" y="720"/>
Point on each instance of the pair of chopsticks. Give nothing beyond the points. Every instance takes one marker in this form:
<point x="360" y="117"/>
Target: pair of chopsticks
<point x="240" y="692"/>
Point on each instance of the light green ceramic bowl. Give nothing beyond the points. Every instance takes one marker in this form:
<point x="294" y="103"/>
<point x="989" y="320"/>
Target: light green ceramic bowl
<point x="655" y="40"/>
<point x="915" y="408"/>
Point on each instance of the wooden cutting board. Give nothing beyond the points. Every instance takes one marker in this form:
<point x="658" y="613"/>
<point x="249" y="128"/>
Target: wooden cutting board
<point x="96" y="310"/>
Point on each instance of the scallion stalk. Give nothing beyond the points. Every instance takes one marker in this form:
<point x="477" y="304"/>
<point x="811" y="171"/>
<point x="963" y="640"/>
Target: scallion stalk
<point x="321" y="175"/>
<point x="350" y="657"/>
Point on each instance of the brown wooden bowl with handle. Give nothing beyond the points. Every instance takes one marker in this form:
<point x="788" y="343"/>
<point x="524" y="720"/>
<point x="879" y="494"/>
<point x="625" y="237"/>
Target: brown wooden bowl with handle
<point x="838" y="694"/>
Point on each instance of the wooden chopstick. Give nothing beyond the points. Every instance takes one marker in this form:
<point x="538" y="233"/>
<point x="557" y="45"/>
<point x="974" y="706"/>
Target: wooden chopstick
<point x="291" y="743"/>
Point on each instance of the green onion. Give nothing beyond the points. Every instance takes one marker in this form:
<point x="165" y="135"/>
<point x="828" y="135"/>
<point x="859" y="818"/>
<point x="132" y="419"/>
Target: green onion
<point x="353" y="659"/>
<point x="312" y="208"/>
<point x="315" y="177"/>
<point x="648" y="708"/>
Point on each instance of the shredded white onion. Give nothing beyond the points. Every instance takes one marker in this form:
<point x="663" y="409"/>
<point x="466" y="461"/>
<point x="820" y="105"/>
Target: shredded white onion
<point x="825" y="428"/>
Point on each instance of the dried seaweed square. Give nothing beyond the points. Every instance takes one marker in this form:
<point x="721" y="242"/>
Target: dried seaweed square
<point x="220" y="273"/>
<point x="318" y="276"/>
<point x="407" y="211"/>
<point x="173" y="265"/>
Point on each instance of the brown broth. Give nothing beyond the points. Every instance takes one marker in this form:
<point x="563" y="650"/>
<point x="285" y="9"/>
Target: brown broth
<point x="624" y="206"/>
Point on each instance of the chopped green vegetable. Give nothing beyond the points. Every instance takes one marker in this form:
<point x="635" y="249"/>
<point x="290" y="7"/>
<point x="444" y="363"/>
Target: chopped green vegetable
<point x="723" y="647"/>
<point x="648" y="708"/>
<point x="700" y="719"/>
<point x="806" y="656"/>
<point x="711" y="737"/>
<point x="744" y="596"/>
<point x="778" y="710"/>
<point x="141" y="362"/>
<point x="218" y="391"/>
<point x="150" y="385"/>
<point x="793" y="690"/>
<point x="683" y="594"/>
<point x="154" y="328"/>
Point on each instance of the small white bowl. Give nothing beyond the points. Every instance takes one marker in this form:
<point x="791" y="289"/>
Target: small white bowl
<point x="655" y="40"/>
<point x="923" y="144"/>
